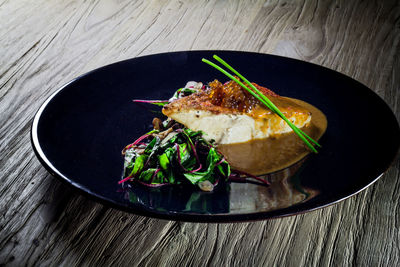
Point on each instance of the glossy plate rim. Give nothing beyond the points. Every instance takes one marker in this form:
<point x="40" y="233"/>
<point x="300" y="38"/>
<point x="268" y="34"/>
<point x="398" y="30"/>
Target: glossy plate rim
<point x="177" y="216"/>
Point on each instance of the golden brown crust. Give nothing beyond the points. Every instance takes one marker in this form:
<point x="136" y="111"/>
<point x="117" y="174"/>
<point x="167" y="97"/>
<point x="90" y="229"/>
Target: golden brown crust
<point x="229" y="98"/>
<point x="199" y="101"/>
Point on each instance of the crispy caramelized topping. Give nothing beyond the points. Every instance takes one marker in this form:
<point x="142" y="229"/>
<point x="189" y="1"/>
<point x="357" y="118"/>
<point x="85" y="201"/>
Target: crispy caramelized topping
<point x="231" y="98"/>
<point x="231" y="95"/>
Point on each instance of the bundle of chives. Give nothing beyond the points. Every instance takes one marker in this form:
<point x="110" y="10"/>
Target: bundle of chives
<point x="262" y="98"/>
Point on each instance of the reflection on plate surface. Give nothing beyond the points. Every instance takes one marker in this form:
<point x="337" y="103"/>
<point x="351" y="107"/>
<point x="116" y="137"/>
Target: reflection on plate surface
<point x="285" y="191"/>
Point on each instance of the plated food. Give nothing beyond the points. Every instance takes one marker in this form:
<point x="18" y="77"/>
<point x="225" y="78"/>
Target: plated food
<point x="211" y="128"/>
<point x="80" y="144"/>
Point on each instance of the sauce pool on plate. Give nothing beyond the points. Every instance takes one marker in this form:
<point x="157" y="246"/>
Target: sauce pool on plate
<point x="262" y="156"/>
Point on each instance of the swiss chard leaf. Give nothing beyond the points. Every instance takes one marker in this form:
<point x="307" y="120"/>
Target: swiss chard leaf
<point x="139" y="163"/>
<point x="164" y="161"/>
<point x="159" y="103"/>
<point x="196" y="177"/>
<point x="212" y="158"/>
<point x="130" y="156"/>
<point x="154" y="151"/>
<point x="146" y="175"/>
<point x="159" y="178"/>
<point x="150" y="146"/>
<point x="170" y="175"/>
<point x="190" y="164"/>
<point x="225" y="169"/>
<point x="184" y="153"/>
<point x="149" y="175"/>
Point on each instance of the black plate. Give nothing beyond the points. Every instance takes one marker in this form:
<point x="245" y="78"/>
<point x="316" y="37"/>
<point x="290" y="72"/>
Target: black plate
<point x="79" y="132"/>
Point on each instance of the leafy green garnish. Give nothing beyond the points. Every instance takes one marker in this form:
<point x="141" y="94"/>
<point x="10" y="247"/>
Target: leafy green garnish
<point x="176" y="161"/>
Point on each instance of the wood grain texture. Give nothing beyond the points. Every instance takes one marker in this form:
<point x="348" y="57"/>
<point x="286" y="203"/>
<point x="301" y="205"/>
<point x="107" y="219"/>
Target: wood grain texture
<point x="44" y="44"/>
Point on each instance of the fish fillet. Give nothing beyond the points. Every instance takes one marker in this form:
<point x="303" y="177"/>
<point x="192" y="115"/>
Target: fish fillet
<point x="228" y="114"/>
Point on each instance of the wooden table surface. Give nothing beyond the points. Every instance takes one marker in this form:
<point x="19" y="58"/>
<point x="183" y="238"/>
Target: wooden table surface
<point x="44" y="44"/>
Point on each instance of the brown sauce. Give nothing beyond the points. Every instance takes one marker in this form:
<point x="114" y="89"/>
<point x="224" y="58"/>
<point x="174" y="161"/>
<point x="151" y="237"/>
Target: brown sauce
<point x="272" y="154"/>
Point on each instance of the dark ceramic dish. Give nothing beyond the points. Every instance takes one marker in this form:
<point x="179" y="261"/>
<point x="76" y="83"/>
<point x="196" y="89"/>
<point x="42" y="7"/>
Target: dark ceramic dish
<point x="79" y="132"/>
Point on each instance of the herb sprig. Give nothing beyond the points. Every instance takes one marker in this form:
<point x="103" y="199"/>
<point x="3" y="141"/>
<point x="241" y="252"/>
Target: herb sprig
<point x="262" y="98"/>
